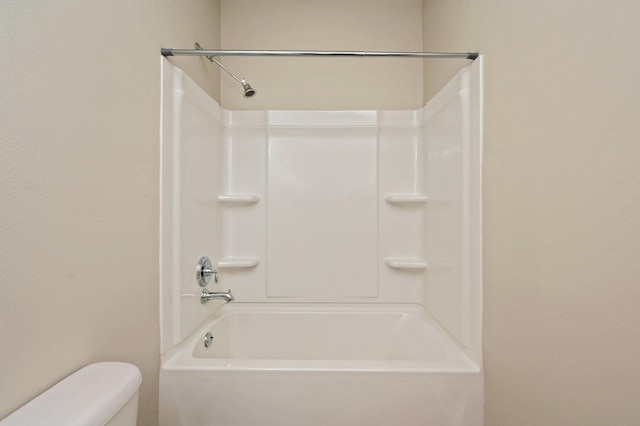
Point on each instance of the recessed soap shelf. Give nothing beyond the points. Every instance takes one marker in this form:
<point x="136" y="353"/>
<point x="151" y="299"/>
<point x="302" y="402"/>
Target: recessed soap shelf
<point x="406" y="199"/>
<point x="239" y="199"/>
<point x="238" y="262"/>
<point x="405" y="262"/>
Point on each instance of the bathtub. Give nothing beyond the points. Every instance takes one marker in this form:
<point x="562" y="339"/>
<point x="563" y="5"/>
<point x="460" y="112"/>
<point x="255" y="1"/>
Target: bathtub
<point x="320" y="364"/>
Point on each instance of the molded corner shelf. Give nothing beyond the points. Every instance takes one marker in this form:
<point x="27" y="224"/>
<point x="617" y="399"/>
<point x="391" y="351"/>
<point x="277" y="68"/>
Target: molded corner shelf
<point x="406" y="199"/>
<point x="405" y="263"/>
<point x="238" y="199"/>
<point x="238" y="262"/>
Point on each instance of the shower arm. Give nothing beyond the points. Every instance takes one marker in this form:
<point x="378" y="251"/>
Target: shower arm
<point x="212" y="59"/>
<point x="210" y="53"/>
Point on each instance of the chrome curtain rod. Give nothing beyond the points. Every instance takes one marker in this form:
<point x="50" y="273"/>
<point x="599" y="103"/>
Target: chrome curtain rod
<point x="195" y="52"/>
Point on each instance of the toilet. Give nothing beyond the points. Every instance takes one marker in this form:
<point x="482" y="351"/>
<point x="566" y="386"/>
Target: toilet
<point x="104" y="393"/>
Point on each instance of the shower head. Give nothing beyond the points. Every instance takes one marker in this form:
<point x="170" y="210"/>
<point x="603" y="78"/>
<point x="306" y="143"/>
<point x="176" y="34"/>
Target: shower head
<point x="248" y="90"/>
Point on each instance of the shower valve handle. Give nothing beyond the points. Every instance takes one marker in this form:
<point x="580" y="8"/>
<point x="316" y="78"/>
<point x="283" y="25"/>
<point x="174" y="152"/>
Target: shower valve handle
<point x="204" y="270"/>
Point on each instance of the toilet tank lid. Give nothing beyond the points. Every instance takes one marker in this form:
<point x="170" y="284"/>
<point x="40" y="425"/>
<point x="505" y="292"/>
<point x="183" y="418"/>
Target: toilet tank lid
<point x="91" y="395"/>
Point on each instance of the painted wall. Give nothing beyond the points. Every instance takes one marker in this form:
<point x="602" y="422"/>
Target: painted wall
<point x="79" y="189"/>
<point x="561" y="203"/>
<point x="79" y="185"/>
<point x="323" y="83"/>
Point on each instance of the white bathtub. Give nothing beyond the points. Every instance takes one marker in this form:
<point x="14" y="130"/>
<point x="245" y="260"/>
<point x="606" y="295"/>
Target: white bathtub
<point x="315" y="364"/>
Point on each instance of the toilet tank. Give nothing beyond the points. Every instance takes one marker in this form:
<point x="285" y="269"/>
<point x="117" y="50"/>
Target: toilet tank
<point x="105" y="393"/>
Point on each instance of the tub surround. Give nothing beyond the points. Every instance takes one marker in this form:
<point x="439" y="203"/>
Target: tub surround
<point x="351" y="242"/>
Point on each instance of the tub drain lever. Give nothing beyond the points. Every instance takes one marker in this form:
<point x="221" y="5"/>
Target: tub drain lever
<point x="208" y="338"/>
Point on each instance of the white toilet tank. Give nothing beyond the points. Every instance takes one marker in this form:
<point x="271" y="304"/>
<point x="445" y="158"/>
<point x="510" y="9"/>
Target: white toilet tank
<point x="105" y="393"/>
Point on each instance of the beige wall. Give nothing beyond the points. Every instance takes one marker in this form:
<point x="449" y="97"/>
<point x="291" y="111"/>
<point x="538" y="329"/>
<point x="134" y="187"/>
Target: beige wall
<point x="79" y="176"/>
<point x="323" y="83"/>
<point x="79" y="149"/>
<point x="561" y="203"/>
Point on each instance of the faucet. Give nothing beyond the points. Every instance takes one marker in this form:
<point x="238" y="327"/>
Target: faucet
<point x="207" y="295"/>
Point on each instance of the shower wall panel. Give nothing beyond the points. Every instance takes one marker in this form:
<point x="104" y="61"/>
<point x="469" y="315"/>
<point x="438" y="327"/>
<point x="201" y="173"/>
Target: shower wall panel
<point x="322" y="215"/>
<point x="190" y="182"/>
<point x="453" y="219"/>
<point x="400" y="225"/>
<point x="244" y="214"/>
<point x="320" y="228"/>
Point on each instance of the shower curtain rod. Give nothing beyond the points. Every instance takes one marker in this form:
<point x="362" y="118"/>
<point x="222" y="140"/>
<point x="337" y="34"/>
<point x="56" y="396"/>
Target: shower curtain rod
<point x="196" y="52"/>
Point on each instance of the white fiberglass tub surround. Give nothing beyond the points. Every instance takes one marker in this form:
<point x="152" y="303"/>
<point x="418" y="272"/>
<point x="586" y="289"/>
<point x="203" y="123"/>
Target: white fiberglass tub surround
<point x="319" y="364"/>
<point x="351" y="242"/>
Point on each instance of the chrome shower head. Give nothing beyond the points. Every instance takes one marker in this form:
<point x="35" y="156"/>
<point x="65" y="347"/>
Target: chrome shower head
<point x="248" y="90"/>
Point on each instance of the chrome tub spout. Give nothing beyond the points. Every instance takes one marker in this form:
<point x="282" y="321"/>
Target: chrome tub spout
<point x="207" y="295"/>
